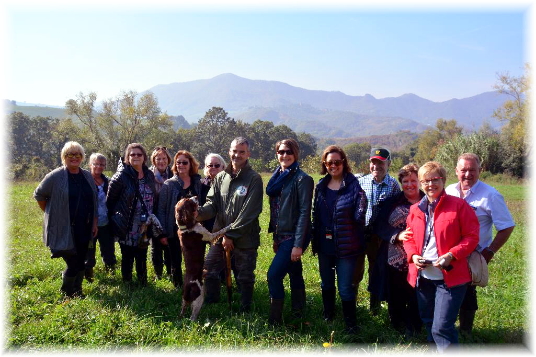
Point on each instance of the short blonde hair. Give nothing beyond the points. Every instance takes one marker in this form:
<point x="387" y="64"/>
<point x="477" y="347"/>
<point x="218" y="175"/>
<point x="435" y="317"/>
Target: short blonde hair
<point x="432" y="166"/>
<point x="71" y="147"/>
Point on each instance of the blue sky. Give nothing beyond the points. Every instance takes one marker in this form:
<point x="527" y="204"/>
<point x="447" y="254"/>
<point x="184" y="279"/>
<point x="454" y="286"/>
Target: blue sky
<point x="55" y="52"/>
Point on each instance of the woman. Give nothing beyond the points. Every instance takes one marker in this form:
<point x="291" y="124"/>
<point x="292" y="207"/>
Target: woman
<point x="130" y="202"/>
<point x="391" y="268"/>
<point x="68" y="197"/>
<point x="97" y="164"/>
<point x="339" y="209"/>
<point x="186" y="182"/>
<point x="290" y="192"/>
<point x="160" y="159"/>
<point x="441" y="232"/>
<point x="214" y="164"/>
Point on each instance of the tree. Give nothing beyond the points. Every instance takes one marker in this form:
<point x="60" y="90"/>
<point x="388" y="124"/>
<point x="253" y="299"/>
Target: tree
<point x="514" y="138"/>
<point x="431" y="139"/>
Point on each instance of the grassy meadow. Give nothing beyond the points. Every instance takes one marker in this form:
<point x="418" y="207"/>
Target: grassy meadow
<point x="116" y="317"/>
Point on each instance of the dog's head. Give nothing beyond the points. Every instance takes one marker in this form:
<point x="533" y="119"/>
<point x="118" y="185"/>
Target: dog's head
<point x="185" y="212"/>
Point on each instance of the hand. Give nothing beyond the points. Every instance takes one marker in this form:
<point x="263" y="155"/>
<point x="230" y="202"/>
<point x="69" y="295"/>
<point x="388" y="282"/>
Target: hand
<point x="296" y="254"/>
<point x="415" y="259"/>
<point x="163" y="241"/>
<point x="487" y="254"/>
<point x="274" y="247"/>
<point x="227" y="244"/>
<point x="95" y="231"/>
<point x="448" y="259"/>
<point x="404" y="235"/>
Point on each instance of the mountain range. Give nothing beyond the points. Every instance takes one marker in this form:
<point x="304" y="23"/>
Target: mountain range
<point x="321" y="113"/>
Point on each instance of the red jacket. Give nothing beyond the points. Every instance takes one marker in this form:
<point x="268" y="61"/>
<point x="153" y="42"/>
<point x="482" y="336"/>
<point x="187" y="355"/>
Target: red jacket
<point x="456" y="230"/>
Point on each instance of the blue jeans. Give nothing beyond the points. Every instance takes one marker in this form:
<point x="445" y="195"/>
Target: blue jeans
<point x="439" y="307"/>
<point x="344" y="267"/>
<point x="280" y="267"/>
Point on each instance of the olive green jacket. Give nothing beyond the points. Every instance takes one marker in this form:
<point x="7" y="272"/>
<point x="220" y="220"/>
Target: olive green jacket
<point x="236" y="201"/>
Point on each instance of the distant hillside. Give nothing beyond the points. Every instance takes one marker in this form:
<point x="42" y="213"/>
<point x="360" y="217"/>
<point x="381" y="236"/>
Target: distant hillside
<point x="324" y="123"/>
<point x="34" y="111"/>
<point x="239" y="95"/>
<point x="395" y="142"/>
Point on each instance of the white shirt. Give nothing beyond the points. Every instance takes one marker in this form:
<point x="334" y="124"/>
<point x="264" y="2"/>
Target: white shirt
<point x="489" y="207"/>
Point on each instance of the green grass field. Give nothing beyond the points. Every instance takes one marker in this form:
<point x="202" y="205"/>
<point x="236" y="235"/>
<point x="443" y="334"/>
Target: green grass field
<point x="114" y="316"/>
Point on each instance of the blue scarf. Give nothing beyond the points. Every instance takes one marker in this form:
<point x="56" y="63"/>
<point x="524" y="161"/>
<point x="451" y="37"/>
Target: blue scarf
<point x="278" y="179"/>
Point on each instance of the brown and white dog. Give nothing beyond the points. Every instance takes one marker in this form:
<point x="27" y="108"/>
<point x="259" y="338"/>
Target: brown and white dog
<point x="193" y="236"/>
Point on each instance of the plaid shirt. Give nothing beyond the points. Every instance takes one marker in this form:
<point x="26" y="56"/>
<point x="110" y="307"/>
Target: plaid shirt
<point x="377" y="193"/>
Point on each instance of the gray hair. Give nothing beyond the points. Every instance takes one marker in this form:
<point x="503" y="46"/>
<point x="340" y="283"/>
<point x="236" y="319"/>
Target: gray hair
<point x="240" y="140"/>
<point x="217" y="157"/>
<point x="96" y="156"/>
<point x="469" y="156"/>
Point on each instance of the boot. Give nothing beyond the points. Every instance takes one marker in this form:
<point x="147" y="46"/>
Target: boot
<point x="467" y="317"/>
<point x="297" y="298"/>
<point x="89" y="275"/>
<point x="276" y="312"/>
<point x="349" y="313"/>
<point x="328" y="300"/>
<point x="67" y="286"/>
<point x="158" y="270"/>
<point x="176" y="277"/>
<point x="78" y="284"/>
<point x="212" y="291"/>
<point x="246" y="295"/>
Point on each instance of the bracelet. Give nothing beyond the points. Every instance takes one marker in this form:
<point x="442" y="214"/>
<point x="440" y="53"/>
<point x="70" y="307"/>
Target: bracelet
<point x="451" y="255"/>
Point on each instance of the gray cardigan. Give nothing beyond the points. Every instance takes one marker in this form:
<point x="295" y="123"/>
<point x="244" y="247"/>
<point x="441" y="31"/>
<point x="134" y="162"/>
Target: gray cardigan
<point x="56" y="223"/>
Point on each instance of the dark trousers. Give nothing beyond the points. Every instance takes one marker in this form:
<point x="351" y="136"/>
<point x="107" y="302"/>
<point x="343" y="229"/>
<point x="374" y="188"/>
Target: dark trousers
<point x="280" y="267"/>
<point x="160" y="255"/>
<point x="439" y="306"/>
<point x="402" y="301"/>
<point x="470" y="302"/>
<point x="373" y="244"/>
<point x="129" y="254"/>
<point x="76" y="262"/>
<point x="175" y="253"/>
<point x="107" y="248"/>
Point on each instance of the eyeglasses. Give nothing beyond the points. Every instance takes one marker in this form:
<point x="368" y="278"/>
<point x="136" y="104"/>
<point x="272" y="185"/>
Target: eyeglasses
<point x="184" y="163"/>
<point x="135" y="154"/>
<point x="160" y="148"/>
<point x="334" y="162"/>
<point x="75" y="155"/>
<point x="283" y="152"/>
<point x="97" y="164"/>
<point x="432" y="181"/>
<point x="214" y="165"/>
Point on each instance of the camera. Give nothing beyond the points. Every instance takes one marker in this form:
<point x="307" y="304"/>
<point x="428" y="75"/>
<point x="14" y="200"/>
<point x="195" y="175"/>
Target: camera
<point x="426" y="261"/>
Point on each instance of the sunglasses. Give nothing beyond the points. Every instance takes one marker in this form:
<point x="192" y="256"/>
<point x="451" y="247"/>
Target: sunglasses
<point x="160" y="148"/>
<point x="432" y="181"/>
<point x="214" y="165"/>
<point x="184" y="163"/>
<point x="283" y="152"/>
<point x="334" y="162"/>
<point x="135" y="154"/>
<point x="75" y="155"/>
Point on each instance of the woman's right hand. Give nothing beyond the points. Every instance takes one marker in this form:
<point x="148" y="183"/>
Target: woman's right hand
<point x="163" y="241"/>
<point x="404" y="235"/>
<point x="416" y="259"/>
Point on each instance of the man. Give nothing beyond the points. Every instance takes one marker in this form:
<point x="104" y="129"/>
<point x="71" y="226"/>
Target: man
<point x="490" y="209"/>
<point x="235" y="198"/>
<point x="378" y="186"/>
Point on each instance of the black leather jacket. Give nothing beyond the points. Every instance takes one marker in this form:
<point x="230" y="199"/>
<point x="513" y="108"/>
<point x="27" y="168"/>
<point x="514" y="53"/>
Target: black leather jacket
<point x="348" y="217"/>
<point x="121" y="198"/>
<point x="294" y="216"/>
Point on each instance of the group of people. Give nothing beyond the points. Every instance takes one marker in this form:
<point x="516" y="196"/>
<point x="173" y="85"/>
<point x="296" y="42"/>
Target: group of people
<point x="416" y="236"/>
